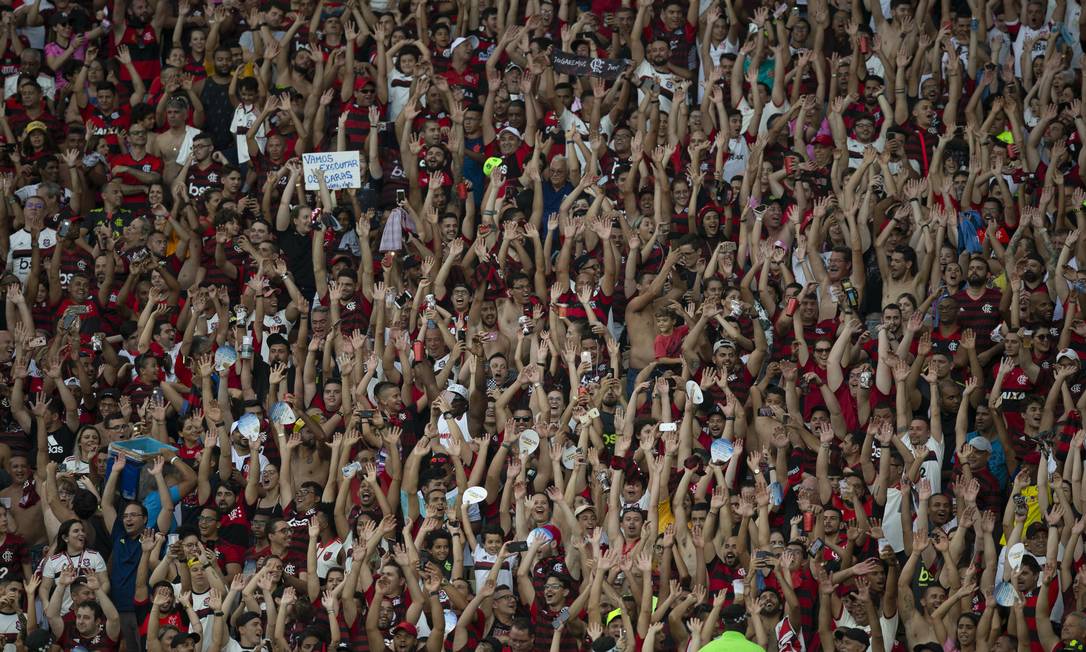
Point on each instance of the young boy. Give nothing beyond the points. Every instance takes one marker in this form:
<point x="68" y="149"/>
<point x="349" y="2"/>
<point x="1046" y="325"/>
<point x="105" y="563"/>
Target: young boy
<point x="486" y="555"/>
<point x="668" y="343"/>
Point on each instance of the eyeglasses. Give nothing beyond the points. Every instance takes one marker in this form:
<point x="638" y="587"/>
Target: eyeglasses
<point x="303" y="492"/>
<point x="553" y="586"/>
<point x="522" y="419"/>
<point x="821" y="350"/>
<point x="133" y="515"/>
<point x="207" y="519"/>
<point x="367" y="91"/>
<point x="34" y="204"/>
<point x="281" y="530"/>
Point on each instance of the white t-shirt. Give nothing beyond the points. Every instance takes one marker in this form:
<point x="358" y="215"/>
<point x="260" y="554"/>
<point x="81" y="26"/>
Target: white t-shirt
<point x="736" y="161"/>
<point x="1025" y="32"/>
<point x="9" y="624"/>
<point x="277" y="321"/>
<point x="86" y="563"/>
<point x="768" y="111"/>
<point x="443" y="428"/>
<point x="240" y="460"/>
<point x="666" y="80"/>
<point x="891" y="519"/>
<point x="399" y="92"/>
<point x="484" y="561"/>
<point x="233" y="646"/>
<point x="19" y="251"/>
<point x="932" y="468"/>
<point x="328" y="557"/>
<point x="244" y="117"/>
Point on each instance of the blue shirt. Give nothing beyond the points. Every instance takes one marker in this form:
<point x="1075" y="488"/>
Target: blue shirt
<point x="473" y="170"/>
<point x="154" y="505"/>
<point x="552" y="201"/>
<point x="997" y="460"/>
<point x="968" y="240"/>
<point x="123" y="564"/>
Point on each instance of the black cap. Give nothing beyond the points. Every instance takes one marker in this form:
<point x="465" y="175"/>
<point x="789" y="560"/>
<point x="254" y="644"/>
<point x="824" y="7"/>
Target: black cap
<point x="854" y="633"/>
<point x="733" y="614"/>
<point x="244" y="618"/>
<point x="39" y="640"/>
<point x="185" y="636"/>
<point x="604" y="644"/>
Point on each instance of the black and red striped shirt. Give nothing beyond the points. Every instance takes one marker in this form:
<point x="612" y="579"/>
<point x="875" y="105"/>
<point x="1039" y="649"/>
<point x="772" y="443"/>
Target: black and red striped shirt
<point x="981" y="314"/>
<point x="142" y="47"/>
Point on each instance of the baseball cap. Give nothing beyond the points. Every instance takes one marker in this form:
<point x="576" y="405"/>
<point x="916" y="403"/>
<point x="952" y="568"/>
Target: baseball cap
<point x="823" y="140"/>
<point x="459" y="390"/>
<point x="185" y="636"/>
<point x="854" y="633"/>
<point x="460" y="40"/>
<point x="406" y="627"/>
<point x="584" y="508"/>
<point x="733" y="614"/>
<point x="556" y="534"/>
<point x="36" y="125"/>
<point x="512" y="130"/>
<point x="1068" y="354"/>
<point x="362" y="81"/>
<point x="246" y="617"/>
<point x="723" y="344"/>
<point x="341" y="254"/>
<point x="981" y="444"/>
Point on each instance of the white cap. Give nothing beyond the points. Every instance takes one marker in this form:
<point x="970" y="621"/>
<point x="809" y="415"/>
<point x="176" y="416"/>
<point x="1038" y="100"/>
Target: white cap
<point x="981" y="444"/>
<point x="460" y="41"/>
<point x="1067" y="354"/>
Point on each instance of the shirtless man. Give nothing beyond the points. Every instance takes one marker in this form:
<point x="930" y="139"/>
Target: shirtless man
<point x="494" y="341"/>
<point x="310" y="460"/>
<point x="26" y="511"/>
<point x="919" y="627"/>
<point x="514" y="307"/>
<point x="174" y="144"/>
<point x="640" y="314"/>
<point x="900" y="273"/>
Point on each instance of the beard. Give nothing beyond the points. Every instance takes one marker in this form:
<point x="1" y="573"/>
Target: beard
<point x="304" y="72"/>
<point x="976" y="281"/>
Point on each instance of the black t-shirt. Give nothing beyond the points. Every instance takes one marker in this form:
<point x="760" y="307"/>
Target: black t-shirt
<point x="299" y="254"/>
<point x="61" y="443"/>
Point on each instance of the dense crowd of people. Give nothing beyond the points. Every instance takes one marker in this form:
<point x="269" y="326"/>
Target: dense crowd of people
<point x="543" y="326"/>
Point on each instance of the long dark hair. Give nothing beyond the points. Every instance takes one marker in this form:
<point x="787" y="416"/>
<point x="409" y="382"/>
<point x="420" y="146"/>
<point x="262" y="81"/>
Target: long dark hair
<point x="61" y="542"/>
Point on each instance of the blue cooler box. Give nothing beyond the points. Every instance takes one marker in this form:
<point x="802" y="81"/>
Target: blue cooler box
<point x="139" y="451"/>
